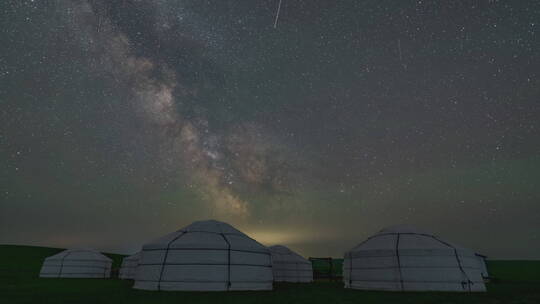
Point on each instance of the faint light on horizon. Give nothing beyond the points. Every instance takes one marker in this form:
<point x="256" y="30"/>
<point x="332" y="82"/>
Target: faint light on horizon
<point x="286" y="237"/>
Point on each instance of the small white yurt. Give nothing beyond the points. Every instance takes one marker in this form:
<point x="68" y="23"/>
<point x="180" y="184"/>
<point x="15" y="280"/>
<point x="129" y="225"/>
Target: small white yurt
<point x="204" y="256"/>
<point x="129" y="266"/>
<point x="289" y="266"/>
<point x="76" y="263"/>
<point x="402" y="258"/>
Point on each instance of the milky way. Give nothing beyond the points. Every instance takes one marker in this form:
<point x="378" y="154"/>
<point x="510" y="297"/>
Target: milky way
<point x="124" y="120"/>
<point x="215" y="161"/>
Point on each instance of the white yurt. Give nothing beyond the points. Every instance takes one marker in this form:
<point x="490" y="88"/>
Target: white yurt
<point x="402" y="258"/>
<point x="289" y="266"/>
<point x="204" y="256"/>
<point x="76" y="263"/>
<point x="129" y="266"/>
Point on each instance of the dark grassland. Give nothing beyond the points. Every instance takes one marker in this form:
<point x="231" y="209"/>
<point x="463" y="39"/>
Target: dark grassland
<point x="518" y="282"/>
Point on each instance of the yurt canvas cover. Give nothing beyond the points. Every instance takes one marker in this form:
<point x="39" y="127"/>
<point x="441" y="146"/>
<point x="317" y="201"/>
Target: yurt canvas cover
<point x="76" y="264"/>
<point x="402" y="258"/>
<point x="289" y="266"/>
<point x="129" y="266"/>
<point x="483" y="265"/>
<point x="206" y="255"/>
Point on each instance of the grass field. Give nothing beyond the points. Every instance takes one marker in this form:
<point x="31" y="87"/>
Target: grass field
<point x="519" y="282"/>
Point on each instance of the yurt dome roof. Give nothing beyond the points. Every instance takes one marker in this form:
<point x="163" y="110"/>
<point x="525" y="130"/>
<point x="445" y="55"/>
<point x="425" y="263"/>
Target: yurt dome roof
<point x="210" y="234"/>
<point x="402" y="228"/>
<point x="410" y="237"/>
<point x="87" y="254"/>
<point x="283" y="250"/>
<point x="280" y="249"/>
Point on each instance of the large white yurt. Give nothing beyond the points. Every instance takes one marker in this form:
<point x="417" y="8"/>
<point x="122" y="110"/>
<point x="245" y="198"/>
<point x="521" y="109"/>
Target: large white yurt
<point x="402" y="258"/>
<point x="204" y="256"/>
<point x="76" y="263"/>
<point x="129" y="266"/>
<point x="289" y="266"/>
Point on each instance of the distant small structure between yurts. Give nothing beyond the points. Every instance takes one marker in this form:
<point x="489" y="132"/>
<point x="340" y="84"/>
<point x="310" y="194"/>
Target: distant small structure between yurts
<point x="76" y="263"/>
<point x="289" y="266"/>
<point x="129" y="266"/>
<point x="402" y="258"/>
<point x="204" y="256"/>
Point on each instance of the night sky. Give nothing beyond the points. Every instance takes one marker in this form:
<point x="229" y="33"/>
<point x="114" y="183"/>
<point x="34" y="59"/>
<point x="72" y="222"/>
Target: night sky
<point x="121" y="121"/>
